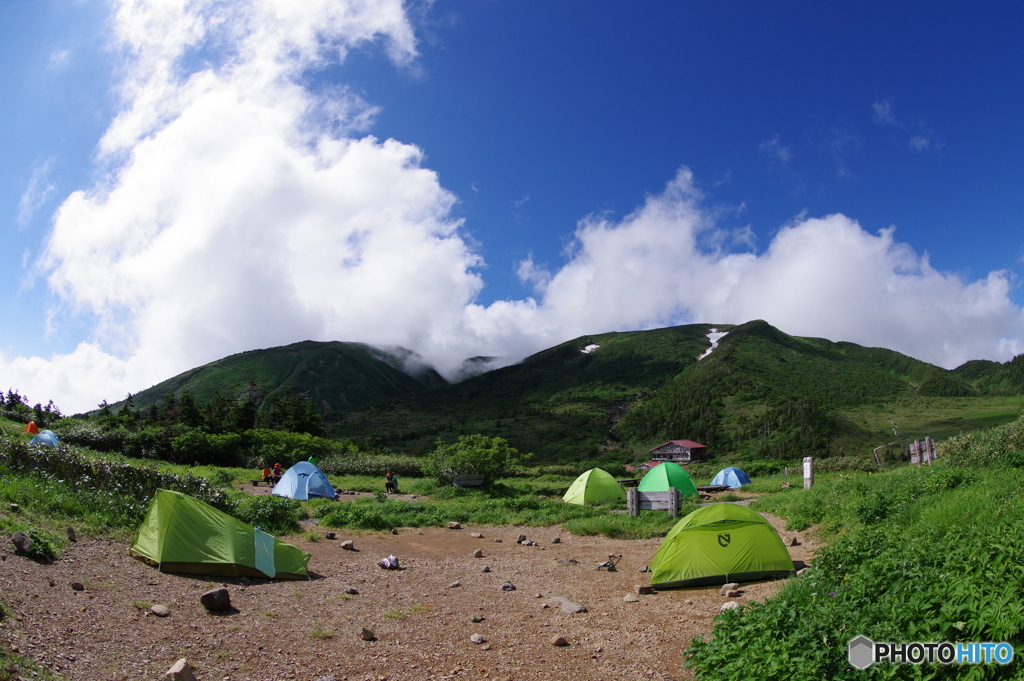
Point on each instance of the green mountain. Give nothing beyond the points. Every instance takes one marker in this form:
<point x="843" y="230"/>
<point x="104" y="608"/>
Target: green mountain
<point x="760" y="393"/>
<point x="336" y="376"/>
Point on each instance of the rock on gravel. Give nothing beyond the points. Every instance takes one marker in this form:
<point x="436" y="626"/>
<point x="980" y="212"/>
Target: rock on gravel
<point x="216" y="600"/>
<point x="569" y="607"/>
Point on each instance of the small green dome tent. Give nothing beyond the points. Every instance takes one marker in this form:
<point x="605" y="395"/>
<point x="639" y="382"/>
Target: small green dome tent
<point x="183" y="534"/>
<point x="594" y="487"/>
<point x="666" y="475"/>
<point x="719" y="544"/>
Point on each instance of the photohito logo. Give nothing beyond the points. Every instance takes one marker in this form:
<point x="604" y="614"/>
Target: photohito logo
<point x="863" y="652"/>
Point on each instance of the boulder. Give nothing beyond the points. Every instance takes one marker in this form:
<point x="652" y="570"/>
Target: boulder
<point x="216" y="600"/>
<point x="181" y="671"/>
<point x="454" y="526"/>
<point x="476" y="535"/>
<point x="348" y="545"/>
<point x="726" y="588"/>
<point x="22" y="543"/>
<point x="730" y="605"/>
<point x="735" y="593"/>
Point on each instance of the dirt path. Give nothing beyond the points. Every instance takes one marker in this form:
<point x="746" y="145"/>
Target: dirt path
<point x="307" y="630"/>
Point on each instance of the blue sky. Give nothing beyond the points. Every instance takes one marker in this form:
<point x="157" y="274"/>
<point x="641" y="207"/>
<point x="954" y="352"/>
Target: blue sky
<point x="486" y="177"/>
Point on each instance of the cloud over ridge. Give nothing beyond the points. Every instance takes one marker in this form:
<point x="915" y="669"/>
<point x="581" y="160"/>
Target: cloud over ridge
<point x="245" y="209"/>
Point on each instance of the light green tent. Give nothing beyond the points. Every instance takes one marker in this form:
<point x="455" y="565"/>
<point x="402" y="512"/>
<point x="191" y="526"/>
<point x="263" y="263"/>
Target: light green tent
<point x="719" y="544"/>
<point x="594" y="487"/>
<point x="182" y="534"/>
<point x="666" y="475"/>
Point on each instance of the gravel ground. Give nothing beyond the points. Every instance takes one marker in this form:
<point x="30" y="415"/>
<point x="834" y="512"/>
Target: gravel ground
<point x="421" y="620"/>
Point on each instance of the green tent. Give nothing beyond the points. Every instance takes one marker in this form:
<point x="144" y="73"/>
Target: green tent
<point x="718" y="544"/>
<point x="182" y="534"/>
<point x="594" y="487"/>
<point x="666" y="475"/>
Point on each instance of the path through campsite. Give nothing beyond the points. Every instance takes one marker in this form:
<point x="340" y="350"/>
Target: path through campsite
<point x="423" y="616"/>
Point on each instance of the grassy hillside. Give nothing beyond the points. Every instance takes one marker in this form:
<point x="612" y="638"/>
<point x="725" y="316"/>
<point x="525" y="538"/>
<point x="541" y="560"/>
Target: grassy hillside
<point x="335" y="375"/>
<point x="760" y="394"/>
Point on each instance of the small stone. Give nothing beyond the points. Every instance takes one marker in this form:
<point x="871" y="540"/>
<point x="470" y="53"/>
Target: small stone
<point x="485" y="568"/>
<point x="455" y="585"/>
<point x="556" y="540"/>
<point x="394" y="530"/>
<point x="497" y="541"/>
<point x="477" y="639"/>
<point x="454" y="526"/>
<point x="521" y="539"/>
<point x="644" y="589"/>
<point x="22" y="542"/>
<point x="327" y="678"/>
<point x="15" y="508"/>
<point x="216" y="600"/>
<point x="631" y="598"/>
<point x="735" y="593"/>
<point x="329" y="535"/>
<point x="478" y="554"/>
<point x="599" y="649"/>
<point x="508" y="586"/>
<point x="569" y="607"/>
<point x="559" y="641"/>
<point x="181" y="671"/>
<point x="366" y="634"/>
<point x="568" y="561"/>
<point x="78" y="586"/>
<point x="642" y="568"/>
<point x="801" y="572"/>
<point x="726" y="588"/>
<point x="476" y="619"/>
<point x="539" y="596"/>
<point x="351" y="591"/>
<point x="731" y="605"/>
<point x="160" y="610"/>
<point x="348" y="545"/>
<point x="476" y="535"/>
<point x="793" y="541"/>
<point x="52" y="583"/>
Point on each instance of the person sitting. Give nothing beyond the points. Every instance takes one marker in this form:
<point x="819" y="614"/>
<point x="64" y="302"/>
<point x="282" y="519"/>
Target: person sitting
<point x="389" y="483"/>
<point x="268" y="476"/>
<point x="278" y="472"/>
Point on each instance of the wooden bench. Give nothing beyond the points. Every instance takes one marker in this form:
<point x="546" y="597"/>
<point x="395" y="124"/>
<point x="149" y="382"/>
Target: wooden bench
<point x="470" y="480"/>
<point x="270" y="483"/>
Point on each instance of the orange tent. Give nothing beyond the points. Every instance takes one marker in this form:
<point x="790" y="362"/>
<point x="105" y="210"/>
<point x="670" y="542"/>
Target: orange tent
<point x="32" y="428"/>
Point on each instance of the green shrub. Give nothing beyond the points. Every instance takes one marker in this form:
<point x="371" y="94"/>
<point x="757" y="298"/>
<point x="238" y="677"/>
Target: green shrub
<point x="273" y="514"/>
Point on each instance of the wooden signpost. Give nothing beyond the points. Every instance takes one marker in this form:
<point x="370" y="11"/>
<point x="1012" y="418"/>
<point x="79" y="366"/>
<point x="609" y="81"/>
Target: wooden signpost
<point x="808" y="472"/>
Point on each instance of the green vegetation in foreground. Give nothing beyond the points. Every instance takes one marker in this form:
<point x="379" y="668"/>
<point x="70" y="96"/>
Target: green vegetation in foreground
<point x="918" y="554"/>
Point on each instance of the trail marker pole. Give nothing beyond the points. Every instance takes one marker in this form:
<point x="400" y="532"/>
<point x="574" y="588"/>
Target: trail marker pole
<point x="808" y="472"/>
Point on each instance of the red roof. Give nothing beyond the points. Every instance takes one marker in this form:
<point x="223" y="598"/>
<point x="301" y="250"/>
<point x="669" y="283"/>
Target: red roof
<point x="690" y="444"/>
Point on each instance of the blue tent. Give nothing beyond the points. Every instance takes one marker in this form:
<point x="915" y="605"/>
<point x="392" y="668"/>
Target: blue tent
<point x="45" y="437"/>
<point x="731" y="476"/>
<point x="302" y="481"/>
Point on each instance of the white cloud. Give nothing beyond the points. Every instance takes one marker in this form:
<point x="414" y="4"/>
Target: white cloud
<point x="245" y="210"/>
<point x="38" y="191"/>
<point x="882" y="109"/>
<point x="776" y="152"/>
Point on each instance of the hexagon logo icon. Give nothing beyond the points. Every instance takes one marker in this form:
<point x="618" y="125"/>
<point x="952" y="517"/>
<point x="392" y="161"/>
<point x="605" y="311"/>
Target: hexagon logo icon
<point x="861" y="652"/>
